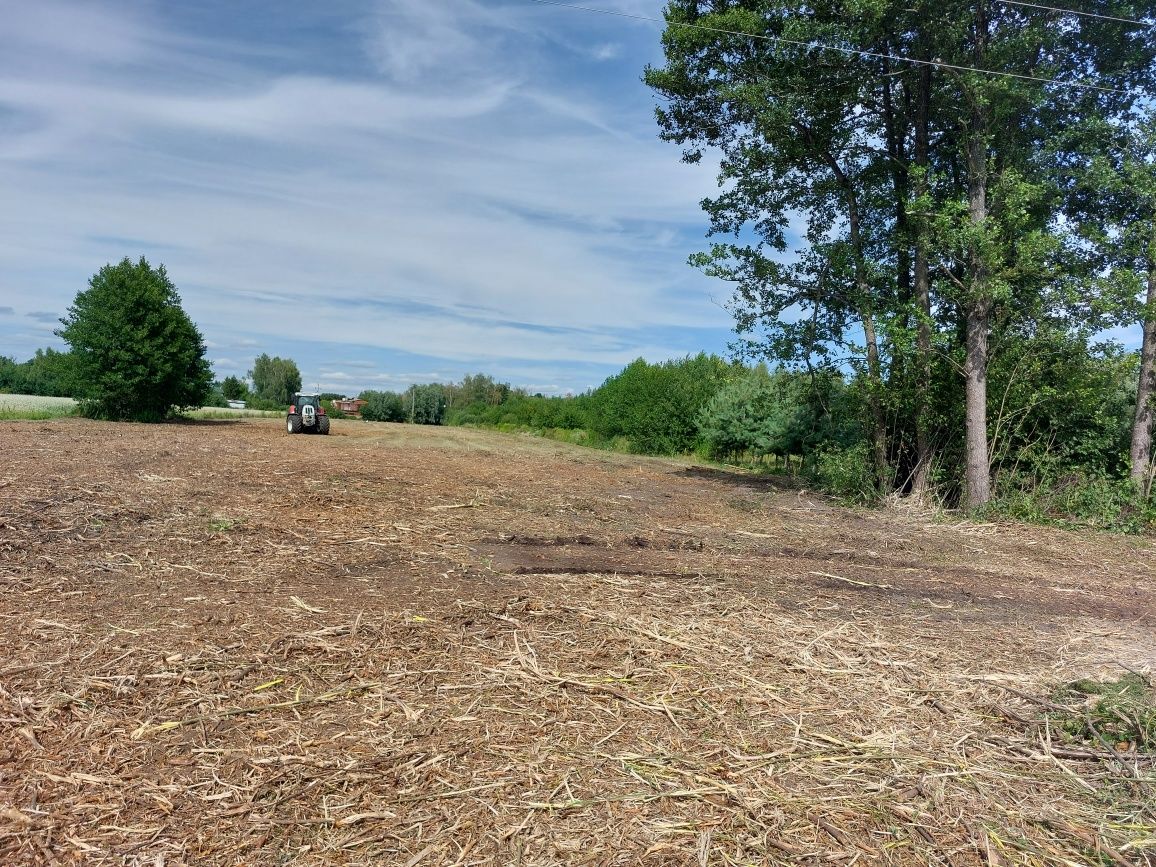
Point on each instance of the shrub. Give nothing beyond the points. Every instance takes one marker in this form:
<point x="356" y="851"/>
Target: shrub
<point x="757" y="414"/>
<point x="846" y="472"/>
<point x="1075" y="498"/>
<point x="330" y="409"/>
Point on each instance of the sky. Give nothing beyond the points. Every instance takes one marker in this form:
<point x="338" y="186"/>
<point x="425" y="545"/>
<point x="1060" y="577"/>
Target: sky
<point x="386" y="191"/>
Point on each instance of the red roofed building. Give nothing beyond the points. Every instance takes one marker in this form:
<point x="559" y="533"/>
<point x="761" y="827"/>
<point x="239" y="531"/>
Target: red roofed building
<point x="350" y="405"/>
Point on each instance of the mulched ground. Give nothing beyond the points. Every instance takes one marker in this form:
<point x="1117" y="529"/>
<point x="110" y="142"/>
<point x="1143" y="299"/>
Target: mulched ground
<point x="396" y="645"/>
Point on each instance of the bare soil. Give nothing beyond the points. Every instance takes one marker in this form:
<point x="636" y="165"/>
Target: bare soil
<point x="224" y="645"/>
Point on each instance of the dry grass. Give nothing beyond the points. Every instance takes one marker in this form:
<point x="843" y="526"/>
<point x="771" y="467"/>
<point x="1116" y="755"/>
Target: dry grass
<point x="227" y="646"/>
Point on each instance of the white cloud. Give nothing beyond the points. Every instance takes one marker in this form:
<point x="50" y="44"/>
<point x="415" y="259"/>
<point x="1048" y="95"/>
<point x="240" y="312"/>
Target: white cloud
<point x="606" y="51"/>
<point x="452" y="201"/>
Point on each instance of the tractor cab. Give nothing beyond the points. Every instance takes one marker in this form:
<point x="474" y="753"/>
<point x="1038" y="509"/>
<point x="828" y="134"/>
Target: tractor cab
<point x="303" y="400"/>
<point x="306" y="414"/>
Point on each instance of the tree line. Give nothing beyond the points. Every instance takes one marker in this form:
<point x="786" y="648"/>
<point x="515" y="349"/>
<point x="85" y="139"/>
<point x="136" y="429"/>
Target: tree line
<point x="966" y="236"/>
<point x="1060" y="428"/>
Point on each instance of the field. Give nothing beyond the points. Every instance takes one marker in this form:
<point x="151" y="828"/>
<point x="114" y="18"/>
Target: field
<point x="419" y="646"/>
<point x="30" y="406"/>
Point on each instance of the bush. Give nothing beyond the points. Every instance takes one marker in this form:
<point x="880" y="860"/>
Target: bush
<point x="330" y="409"/>
<point x="136" y="354"/>
<point x="847" y="473"/>
<point x="216" y="397"/>
<point x="1074" y="499"/>
<point x="757" y="414"/>
<point x="265" y="404"/>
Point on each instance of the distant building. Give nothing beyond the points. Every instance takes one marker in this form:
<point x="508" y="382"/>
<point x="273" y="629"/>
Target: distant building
<point x="350" y="405"/>
<point x="236" y="404"/>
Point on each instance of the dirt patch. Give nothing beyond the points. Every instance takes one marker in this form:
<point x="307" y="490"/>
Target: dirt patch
<point x="225" y="645"/>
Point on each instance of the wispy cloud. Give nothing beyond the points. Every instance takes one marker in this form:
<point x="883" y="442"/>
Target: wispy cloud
<point x="476" y="182"/>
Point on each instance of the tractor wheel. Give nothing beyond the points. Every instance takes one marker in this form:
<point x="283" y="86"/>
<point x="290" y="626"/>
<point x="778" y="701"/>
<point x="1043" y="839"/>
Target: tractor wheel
<point x="293" y="423"/>
<point x="323" y="424"/>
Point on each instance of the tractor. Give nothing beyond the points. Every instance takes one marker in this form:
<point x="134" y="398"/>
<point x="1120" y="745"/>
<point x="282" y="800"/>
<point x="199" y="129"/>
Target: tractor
<point x="307" y="414"/>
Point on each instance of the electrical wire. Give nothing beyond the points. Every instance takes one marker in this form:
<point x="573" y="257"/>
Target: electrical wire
<point x="1078" y="12"/>
<point x="938" y="64"/>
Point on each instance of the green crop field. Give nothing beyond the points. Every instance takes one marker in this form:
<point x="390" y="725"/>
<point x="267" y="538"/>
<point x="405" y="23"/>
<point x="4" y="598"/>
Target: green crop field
<point x="32" y="406"/>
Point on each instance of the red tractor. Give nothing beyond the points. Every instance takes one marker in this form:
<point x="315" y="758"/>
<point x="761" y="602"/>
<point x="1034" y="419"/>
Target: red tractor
<point x="307" y="414"/>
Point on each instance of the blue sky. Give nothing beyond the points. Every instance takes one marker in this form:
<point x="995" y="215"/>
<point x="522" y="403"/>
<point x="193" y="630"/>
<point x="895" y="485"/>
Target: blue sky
<point x="387" y="191"/>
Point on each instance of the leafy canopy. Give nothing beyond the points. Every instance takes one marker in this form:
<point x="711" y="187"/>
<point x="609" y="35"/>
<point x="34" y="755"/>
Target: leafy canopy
<point x="136" y="355"/>
<point x="275" y="379"/>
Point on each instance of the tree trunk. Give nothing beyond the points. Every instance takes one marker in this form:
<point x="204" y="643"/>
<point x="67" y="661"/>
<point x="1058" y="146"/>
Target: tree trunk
<point x="922" y="276"/>
<point x="978" y="302"/>
<point x="978" y="476"/>
<point x="875" y="405"/>
<point x="978" y="311"/>
<point x="1142" y="420"/>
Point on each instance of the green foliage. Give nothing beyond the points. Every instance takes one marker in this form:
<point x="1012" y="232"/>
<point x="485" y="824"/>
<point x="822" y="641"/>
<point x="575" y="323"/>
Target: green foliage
<point x="1072" y="499"/>
<point x="135" y="352"/>
<point x="526" y="412"/>
<point x="48" y="373"/>
<point x="425" y="404"/>
<point x="264" y="404"/>
<point x="382" y="406"/>
<point x="477" y="389"/>
<point x="1059" y="403"/>
<point x="780" y="413"/>
<point x="655" y="406"/>
<point x="216" y="397"/>
<point x="331" y="410"/>
<point x="846" y="473"/>
<point x="1118" y="714"/>
<point x="936" y="209"/>
<point x="275" y="380"/>
<point x="234" y="388"/>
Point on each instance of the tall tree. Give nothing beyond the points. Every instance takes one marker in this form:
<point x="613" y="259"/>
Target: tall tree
<point x="233" y="388"/>
<point x="276" y="379"/>
<point x="912" y="147"/>
<point x="1112" y="207"/>
<point x="786" y="147"/>
<point x="135" y="352"/>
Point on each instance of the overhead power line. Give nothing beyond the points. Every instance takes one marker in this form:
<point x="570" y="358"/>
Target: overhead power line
<point x="859" y="52"/>
<point x="1078" y="12"/>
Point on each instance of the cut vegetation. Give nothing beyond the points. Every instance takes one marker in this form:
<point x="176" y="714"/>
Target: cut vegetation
<point x="455" y="647"/>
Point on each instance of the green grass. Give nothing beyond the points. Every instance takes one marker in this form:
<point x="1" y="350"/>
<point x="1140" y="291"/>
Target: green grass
<point x="31" y="407"/>
<point x="1120" y="714"/>
<point x="223" y="523"/>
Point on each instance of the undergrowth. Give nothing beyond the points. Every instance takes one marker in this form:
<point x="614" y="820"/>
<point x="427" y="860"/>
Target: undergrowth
<point x="1073" y="500"/>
